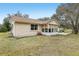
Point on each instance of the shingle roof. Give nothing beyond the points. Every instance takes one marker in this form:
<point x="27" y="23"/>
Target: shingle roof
<point x="18" y="19"/>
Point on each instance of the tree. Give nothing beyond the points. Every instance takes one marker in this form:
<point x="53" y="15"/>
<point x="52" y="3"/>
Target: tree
<point x="26" y="16"/>
<point x="55" y="16"/>
<point x="18" y="14"/>
<point x="6" y="24"/>
<point x="71" y="13"/>
<point x="44" y="18"/>
<point x="3" y="29"/>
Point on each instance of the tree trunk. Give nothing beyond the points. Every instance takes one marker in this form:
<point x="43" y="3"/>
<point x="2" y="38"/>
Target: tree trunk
<point x="75" y="30"/>
<point x="76" y="24"/>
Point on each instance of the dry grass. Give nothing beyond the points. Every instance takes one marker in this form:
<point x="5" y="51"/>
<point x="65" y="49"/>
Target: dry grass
<point x="39" y="45"/>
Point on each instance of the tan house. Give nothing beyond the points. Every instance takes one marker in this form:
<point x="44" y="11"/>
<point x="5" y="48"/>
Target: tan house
<point x="28" y="27"/>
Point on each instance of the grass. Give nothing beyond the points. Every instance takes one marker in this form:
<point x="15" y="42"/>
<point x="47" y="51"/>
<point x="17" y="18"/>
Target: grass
<point x="39" y="45"/>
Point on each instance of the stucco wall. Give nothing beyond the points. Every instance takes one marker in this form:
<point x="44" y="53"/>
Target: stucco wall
<point x="25" y="30"/>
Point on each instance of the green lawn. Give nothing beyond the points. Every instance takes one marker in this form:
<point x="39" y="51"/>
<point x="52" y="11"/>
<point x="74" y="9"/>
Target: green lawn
<point x="39" y="45"/>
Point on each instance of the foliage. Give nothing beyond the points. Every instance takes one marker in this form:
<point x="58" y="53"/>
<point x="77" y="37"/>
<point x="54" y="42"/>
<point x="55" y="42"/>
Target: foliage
<point x="21" y="15"/>
<point x="55" y="16"/>
<point x="3" y="29"/>
<point x="5" y="26"/>
<point x="70" y="12"/>
<point x="18" y="14"/>
<point x="44" y="18"/>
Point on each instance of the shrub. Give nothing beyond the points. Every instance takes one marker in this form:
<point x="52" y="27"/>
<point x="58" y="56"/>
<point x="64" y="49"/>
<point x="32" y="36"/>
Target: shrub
<point x="39" y="33"/>
<point x="3" y="29"/>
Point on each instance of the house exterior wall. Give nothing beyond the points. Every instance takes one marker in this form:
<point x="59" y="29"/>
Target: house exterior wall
<point x="25" y="30"/>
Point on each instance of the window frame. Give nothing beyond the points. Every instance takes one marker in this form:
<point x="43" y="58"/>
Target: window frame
<point x="46" y="29"/>
<point x="34" y="26"/>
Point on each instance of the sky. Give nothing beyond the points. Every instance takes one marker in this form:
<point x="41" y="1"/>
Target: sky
<point x="34" y="10"/>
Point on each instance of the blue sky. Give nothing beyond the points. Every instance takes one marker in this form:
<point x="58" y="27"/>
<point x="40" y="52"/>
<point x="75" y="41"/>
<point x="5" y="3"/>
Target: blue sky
<point x="34" y="10"/>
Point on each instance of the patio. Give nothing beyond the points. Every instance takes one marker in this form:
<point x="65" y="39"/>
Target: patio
<point x="54" y="33"/>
